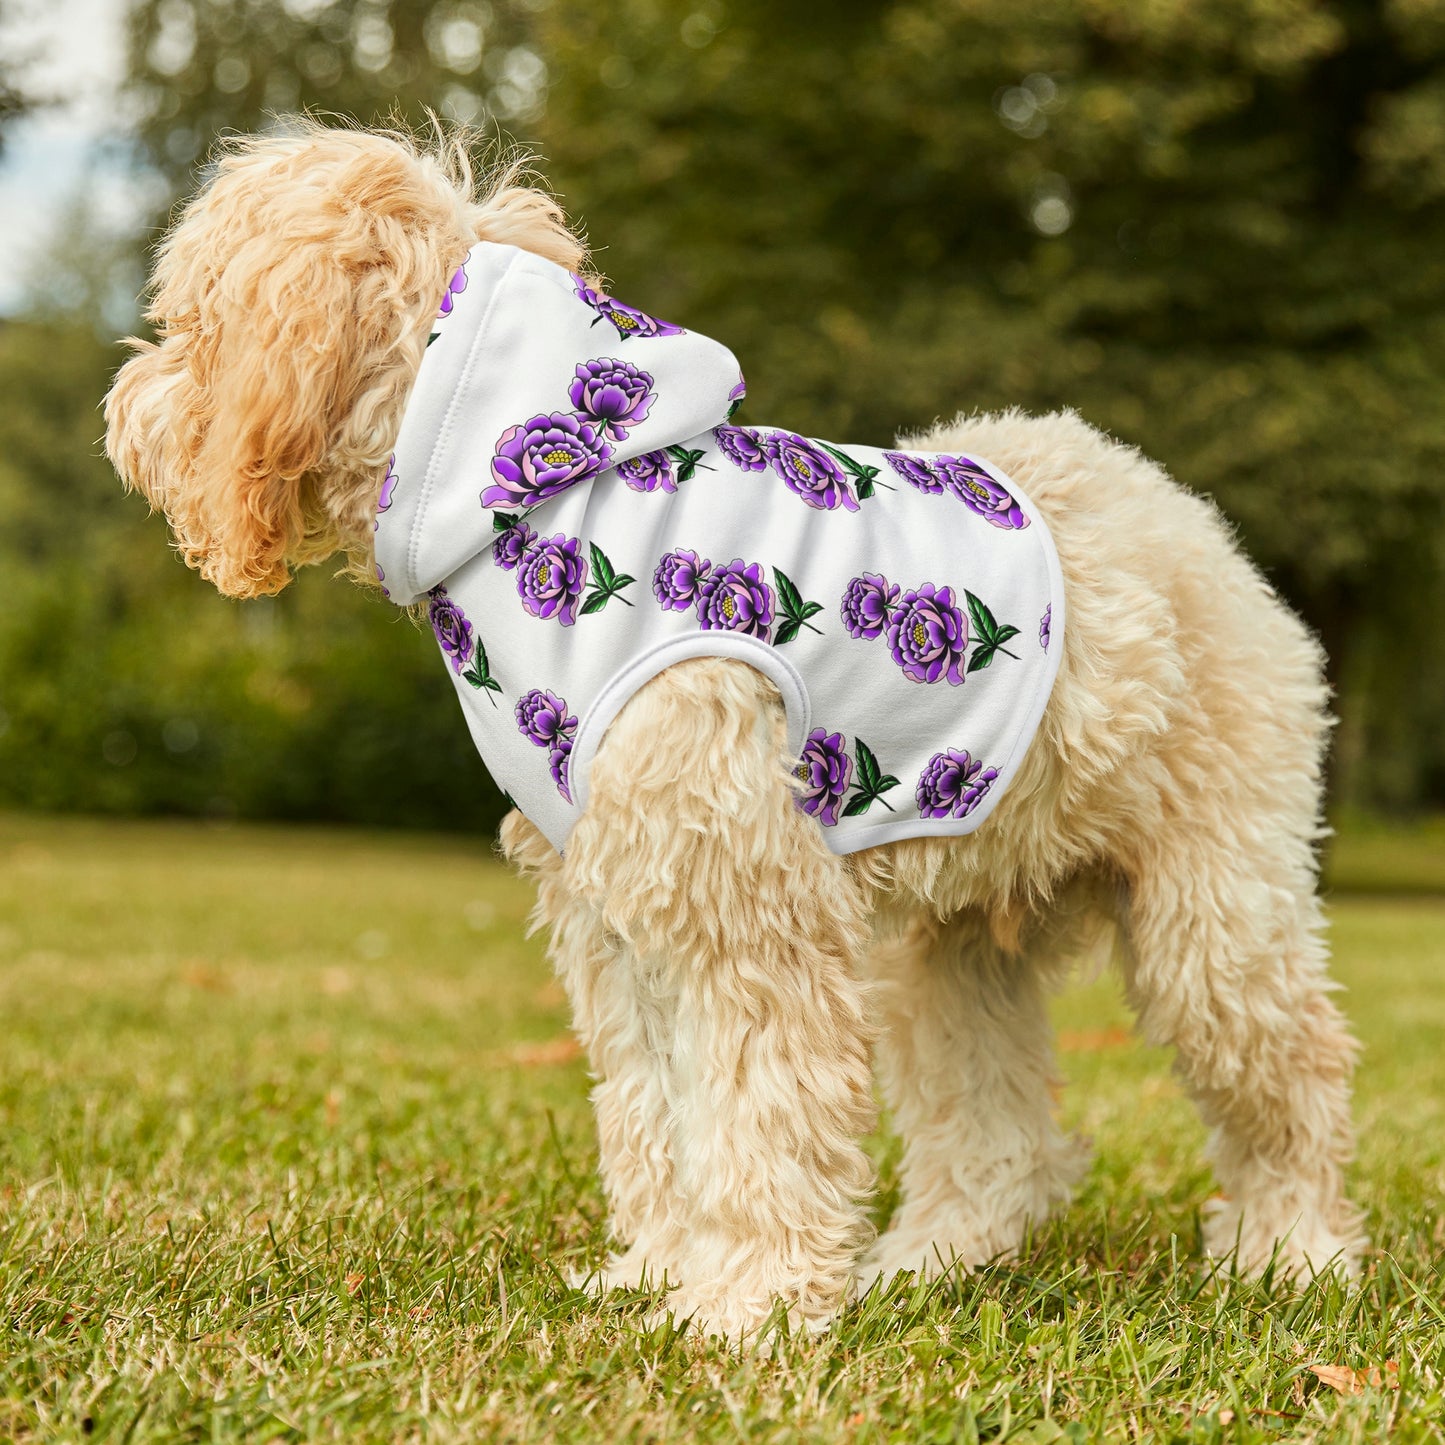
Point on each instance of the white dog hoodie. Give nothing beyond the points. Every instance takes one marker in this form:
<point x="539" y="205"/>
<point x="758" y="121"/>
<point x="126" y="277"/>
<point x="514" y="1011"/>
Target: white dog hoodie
<point x="569" y="497"/>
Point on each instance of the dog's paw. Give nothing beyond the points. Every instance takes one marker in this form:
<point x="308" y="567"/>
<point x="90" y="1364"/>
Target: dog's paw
<point x="633" y="1270"/>
<point x="1299" y="1245"/>
<point x="929" y="1255"/>
<point x="963" y="1229"/>
<point x="741" y="1323"/>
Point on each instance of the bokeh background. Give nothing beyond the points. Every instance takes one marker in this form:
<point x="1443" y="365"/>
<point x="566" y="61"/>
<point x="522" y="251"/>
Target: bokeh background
<point x="1214" y="227"/>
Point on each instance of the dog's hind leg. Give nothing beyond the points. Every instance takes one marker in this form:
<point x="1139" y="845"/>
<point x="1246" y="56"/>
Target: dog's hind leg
<point x="696" y="855"/>
<point x="1228" y="966"/>
<point x="966" y="1059"/>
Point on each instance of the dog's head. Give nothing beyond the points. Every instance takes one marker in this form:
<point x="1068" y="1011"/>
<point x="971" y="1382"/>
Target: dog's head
<point x="292" y="302"/>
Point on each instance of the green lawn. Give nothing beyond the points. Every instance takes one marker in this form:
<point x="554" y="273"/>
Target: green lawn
<point x="293" y="1145"/>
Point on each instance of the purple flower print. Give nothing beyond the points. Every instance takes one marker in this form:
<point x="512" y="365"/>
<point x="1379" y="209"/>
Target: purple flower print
<point x="741" y="446"/>
<point x="651" y="472"/>
<point x="388" y="491"/>
<point x="559" y="758"/>
<point x="825" y="769"/>
<point x="736" y="598"/>
<point x="736" y="396"/>
<point x="953" y="785"/>
<point x="452" y="629"/>
<point x="381" y="581"/>
<point x="866" y="605"/>
<point x="542" y="718"/>
<point x="551" y="577"/>
<point x="613" y="392"/>
<point x="914" y="470"/>
<point x="628" y="320"/>
<point x="455" y="287"/>
<point x="980" y="493"/>
<point x="1046" y="626"/>
<point x="928" y="635"/>
<point x="512" y="546"/>
<point x="544" y="456"/>
<point x="678" y="579"/>
<point x="808" y="470"/>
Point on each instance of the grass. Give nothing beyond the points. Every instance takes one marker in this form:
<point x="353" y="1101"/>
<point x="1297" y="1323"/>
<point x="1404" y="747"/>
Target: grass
<point x="293" y="1146"/>
<point x="1368" y="855"/>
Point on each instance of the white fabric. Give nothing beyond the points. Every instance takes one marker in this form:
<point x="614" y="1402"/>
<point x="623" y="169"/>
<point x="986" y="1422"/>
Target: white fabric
<point x="535" y="381"/>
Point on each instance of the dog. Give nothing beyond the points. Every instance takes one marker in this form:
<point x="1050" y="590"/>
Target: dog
<point x="731" y="975"/>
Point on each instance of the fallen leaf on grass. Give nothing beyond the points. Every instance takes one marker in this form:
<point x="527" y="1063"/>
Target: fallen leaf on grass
<point x="1345" y="1381"/>
<point x="561" y="1050"/>
<point x="1090" y="1041"/>
<point x="551" y="995"/>
<point x="354" y="1283"/>
<point x="197" y="973"/>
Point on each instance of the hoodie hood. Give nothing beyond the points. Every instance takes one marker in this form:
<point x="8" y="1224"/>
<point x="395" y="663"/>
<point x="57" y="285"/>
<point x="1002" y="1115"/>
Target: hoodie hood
<point x="532" y="386"/>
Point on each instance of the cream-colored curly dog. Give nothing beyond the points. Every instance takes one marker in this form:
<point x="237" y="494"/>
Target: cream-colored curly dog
<point x="730" y="977"/>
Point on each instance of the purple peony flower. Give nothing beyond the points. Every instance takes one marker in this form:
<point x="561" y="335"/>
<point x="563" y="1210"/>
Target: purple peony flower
<point x="628" y="320"/>
<point x="452" y="629"/>
<point x="559" y="757"/>
<point x="542" y="718"/>
<point x="651" y="472"/>
<point x="824" y="769"/>
<point x="952" y="785"/>
<point x="808" y="470"/>
<point x="512" y="546"/>
<point x="455" y="287"/>
<point x="866" y="605"/>
<point x="742" y="446"/>
<point x="980" y="493"/>
<point x="388" y="491"/>
<point x="914" y="470"/>
<point x="544" y="456"/>
<point x="1046" y="626"/>
<point x="736" y="396"/>
<point x="613" y="392"/>
<point x="736" y="598"/>
<point x="678" y="579"/>
<point x="928" y="635"/>
<point x="551" y="577"/>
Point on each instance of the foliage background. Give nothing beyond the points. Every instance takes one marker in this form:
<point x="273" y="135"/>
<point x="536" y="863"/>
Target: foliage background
<point x="1214" y="227"/>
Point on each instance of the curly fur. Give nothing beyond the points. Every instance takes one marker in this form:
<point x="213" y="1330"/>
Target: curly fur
<point x="729" y="976"/>
<point x="292" y="302"/>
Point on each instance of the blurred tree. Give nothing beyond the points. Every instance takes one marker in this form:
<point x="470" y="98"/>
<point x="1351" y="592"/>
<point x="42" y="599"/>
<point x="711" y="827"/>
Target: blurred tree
<point x="1216" y="227"/>
<point x="201" y="67"/>
<point x="1211" y="227"/>
<point x="14" y="101"/>
<point x="127" y="685"/>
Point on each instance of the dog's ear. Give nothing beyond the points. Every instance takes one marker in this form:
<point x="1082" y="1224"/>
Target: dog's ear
<point x="226" y="422"/>
<point x="292" y="302"/>
<point x="148" y="412"/>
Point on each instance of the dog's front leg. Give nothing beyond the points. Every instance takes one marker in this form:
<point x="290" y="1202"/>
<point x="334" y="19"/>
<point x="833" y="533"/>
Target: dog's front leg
<point x="743" y="930"/>
<point x="622" y="1012"/>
